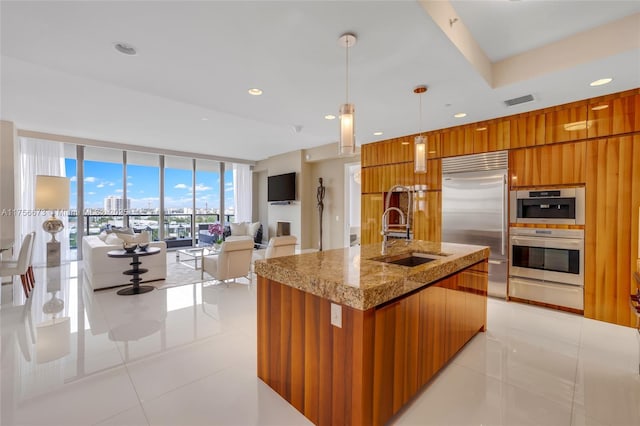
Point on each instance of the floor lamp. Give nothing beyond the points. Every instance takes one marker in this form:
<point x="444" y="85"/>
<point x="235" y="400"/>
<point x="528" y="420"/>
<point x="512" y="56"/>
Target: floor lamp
<point x="52" y="193"/>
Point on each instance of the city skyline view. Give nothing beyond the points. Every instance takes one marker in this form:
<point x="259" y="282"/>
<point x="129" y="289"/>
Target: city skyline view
<point x="103" y="179"/>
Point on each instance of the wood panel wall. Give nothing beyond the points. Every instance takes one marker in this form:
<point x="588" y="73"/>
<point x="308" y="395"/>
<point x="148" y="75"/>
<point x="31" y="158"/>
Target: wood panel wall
<point x="559" y="164"/>
<point x="549" y="147"/>
<point x="366" y="371"/>
<point x="613" y="199"/>
<point x="378" y="177"/>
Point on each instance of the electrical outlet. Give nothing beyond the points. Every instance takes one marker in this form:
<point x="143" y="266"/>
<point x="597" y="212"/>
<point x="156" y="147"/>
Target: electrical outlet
<point x="336" y="315"/>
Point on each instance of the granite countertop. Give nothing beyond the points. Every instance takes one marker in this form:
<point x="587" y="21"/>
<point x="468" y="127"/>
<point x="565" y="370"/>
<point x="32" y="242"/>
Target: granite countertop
<point x="350" y="277"/>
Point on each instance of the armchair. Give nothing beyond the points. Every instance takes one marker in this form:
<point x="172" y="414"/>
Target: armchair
<point x="278" y="246"/>
<point x="235" y="231"/>
<point x="233" y="261"/>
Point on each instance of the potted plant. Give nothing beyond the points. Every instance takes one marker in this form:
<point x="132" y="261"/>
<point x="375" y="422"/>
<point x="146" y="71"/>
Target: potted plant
<point x="216" y="230"/>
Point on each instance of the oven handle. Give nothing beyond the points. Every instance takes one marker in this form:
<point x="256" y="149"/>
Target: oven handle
<point x="561" y="243"/>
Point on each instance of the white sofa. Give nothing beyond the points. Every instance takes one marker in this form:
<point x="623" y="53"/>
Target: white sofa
<point x="242" y="230"/>
<point x="104" y="271"/>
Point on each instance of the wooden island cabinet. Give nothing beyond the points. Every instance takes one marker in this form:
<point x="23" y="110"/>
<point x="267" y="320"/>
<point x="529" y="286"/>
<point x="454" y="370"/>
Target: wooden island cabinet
<point x="349" y="340"/>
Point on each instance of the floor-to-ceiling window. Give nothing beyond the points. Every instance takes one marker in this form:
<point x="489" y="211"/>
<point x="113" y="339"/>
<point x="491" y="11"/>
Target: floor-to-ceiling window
<point x="229" y="203"/>
<point x="70" y="166"/>
<point x="192" y="194"/>
<point x="103" y="189"/>
<point x="143" y="192"/>
<point x="178" y="199"/>
<point x="207" y="191"/>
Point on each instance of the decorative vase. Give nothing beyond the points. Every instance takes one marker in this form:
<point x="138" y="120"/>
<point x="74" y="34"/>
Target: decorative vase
<point x="129" y="247"/>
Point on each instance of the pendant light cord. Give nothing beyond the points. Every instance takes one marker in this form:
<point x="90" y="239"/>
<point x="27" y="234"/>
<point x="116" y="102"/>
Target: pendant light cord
<point x="347" y="68"/>
<point x="420" y="117"/>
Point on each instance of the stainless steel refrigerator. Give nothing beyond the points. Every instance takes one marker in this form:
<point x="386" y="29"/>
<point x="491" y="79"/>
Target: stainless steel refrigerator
<point x="474" y="209"/>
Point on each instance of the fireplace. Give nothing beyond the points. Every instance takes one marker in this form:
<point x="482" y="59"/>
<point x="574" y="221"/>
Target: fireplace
<point x="283" y="228"/>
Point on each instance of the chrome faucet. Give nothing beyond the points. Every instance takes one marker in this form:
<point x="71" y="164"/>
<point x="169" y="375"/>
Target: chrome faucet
<point x="405" y="222"/>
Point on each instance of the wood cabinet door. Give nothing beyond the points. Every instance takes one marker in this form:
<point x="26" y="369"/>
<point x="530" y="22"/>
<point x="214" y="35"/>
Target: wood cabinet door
<point x="387" y="152"/>
<point x="457" y="141"/>
<point x="558" y="164"/>
<point x="614" y="116"/>
<point x="427" y="217"/>
<point x="433" y="177"/>
<point x="527" y="130"/>
<point x="491" y="135"/>
<point x="611" y="237"/>
<point x="568" y="123"/>
<point x="372" y="206"/>
<point x="381" y="178"/>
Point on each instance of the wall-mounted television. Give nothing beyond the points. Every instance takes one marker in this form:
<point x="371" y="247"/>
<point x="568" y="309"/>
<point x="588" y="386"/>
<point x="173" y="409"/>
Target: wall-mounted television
<point x="281" y="188"/>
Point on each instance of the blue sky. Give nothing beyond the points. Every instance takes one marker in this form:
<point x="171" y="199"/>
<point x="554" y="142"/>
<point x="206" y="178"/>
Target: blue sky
<point x="104" y="179"/>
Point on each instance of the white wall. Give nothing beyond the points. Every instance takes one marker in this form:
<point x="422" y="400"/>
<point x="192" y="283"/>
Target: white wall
<point x="8" y="141"/>
<point x="260" y="205"/>
<point x="332" y="172"/>
<point x="285" y="163"/>
<point x="309" y="165"/>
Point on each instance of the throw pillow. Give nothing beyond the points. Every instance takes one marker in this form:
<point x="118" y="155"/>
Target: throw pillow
<point x="113" y="240"/>
<point x="142" y="237"/>
<point x="123" y="231"/>
<point x="253" y="229"/>
<point x="238" y="229"/>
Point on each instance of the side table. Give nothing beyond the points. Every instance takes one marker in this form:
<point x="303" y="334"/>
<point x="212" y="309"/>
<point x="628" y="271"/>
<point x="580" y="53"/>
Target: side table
<point x="136" y="271"/>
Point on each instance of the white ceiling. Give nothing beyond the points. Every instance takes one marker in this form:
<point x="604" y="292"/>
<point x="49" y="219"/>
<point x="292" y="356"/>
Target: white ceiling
<point x="60" y="73"/>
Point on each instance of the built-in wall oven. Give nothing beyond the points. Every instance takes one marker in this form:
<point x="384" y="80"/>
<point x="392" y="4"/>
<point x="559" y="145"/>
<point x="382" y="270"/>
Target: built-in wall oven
<point x="547" y="265"/>
<point x="557" y="206"/>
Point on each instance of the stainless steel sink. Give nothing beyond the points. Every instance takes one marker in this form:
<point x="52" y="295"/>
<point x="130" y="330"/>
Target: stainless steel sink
<point x="411" y="259"/>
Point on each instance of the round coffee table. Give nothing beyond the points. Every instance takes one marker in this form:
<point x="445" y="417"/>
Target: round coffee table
<point x="136" y="271"/>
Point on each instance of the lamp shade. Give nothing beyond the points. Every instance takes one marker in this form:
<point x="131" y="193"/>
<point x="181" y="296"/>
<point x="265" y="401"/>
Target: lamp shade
<point x="420" y="158"/>
<point x="347" y="133"/>
<point x="52" y="192"/>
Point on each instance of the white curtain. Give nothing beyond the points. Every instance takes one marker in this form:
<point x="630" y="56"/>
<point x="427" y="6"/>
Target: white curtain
<point x="242" y="192"/>
<point x="38" y="157"/>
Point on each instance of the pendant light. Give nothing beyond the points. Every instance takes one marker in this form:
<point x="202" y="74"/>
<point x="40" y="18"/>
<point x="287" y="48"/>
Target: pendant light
<point x="347" y="145"/>
<point x="420" y="142"/>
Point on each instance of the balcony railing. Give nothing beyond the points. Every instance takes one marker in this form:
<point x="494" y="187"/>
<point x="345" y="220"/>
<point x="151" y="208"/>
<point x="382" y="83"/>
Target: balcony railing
<point x="176" y="226"/>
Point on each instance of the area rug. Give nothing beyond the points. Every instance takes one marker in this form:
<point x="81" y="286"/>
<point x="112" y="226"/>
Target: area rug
<point x="178" y="274"/>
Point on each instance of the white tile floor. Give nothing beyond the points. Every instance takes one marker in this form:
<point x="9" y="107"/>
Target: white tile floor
<point x="187" y="356"/>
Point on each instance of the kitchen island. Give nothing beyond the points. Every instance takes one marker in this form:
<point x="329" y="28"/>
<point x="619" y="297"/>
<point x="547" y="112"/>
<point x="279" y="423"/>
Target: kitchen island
<point x="347" y="337"/>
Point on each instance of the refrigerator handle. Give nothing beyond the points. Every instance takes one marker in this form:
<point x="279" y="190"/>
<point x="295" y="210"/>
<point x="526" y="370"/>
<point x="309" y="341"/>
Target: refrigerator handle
<point x="504" y="202"/>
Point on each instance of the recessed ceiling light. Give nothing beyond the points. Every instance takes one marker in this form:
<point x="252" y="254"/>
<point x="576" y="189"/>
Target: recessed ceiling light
<point x="204" y="119"/>
<point x="600" y="82"/>
<point x="329" y="117"/>
<point x="255" y="91"/>
<point x="460" y="115"/>
<point x="377" y="133"/>
<point x="599" y="107"/>
<point x="125" y="49"/>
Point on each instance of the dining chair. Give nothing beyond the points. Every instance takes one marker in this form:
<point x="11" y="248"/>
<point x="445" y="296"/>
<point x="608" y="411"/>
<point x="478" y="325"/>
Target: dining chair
<point x="31" y="278"/>
<point x="20" y="265"/>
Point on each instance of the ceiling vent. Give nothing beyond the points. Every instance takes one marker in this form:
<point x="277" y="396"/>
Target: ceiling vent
<point x="518" y="101"/>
